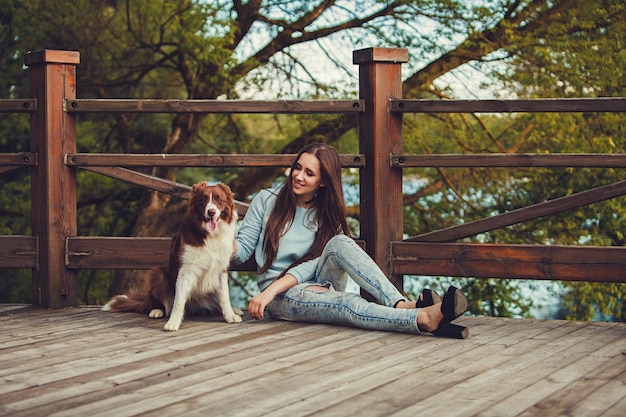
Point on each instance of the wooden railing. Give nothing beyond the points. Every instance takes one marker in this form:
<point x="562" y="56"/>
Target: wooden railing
<point x="55" y="253"/>
<point x="568" y="263"/>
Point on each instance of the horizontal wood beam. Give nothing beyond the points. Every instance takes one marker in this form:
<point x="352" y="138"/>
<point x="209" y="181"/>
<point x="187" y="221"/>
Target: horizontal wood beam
<point x="601" y="104"/>
<point x="540" y="262"/>
<point x="18" y="251"/>
<point x="117" y="252"/>
<point x="509" y="160"/>
<point x="535" y="211"/>
<point x="197" y="160"/>
<point x="213" y="106"/>
<point x="18" y="105"/>
<point x="18" y="159"/>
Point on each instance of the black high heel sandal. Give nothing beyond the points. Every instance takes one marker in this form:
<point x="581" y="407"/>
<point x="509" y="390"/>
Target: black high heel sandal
<point x="453" y="331"/>
<point x="429" y="298"/>
<point x="453" y="306"/>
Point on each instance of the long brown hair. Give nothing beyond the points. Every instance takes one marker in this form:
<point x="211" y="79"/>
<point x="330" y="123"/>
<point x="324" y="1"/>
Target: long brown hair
<point x="329" y="213"/>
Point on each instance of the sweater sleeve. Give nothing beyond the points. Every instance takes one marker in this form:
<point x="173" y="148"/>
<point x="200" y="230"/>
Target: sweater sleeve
<point x="252" y="227"/>
<point x="305" y="271"/>
<point x="294" y="243"/>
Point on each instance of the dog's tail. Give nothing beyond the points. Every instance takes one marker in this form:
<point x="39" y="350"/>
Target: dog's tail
<point x="139" y="302"/>
<point x="134" y="302"/>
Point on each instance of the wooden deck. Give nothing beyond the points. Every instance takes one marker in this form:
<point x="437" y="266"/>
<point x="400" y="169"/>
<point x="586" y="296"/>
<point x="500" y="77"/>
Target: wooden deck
<point x="85" y="362"/>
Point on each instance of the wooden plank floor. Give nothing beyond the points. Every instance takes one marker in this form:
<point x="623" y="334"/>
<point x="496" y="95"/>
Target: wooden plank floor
<point x="85" y="362"/>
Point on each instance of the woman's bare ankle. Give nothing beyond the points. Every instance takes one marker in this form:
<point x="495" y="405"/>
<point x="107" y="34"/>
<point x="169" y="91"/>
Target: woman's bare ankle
<point x="405" y="304"/>
<point x="428" y="318"/>
<point x="408" y="304"/>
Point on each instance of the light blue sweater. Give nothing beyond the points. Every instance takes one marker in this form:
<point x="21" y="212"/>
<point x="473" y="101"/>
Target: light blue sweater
<point x="292" y="246"/>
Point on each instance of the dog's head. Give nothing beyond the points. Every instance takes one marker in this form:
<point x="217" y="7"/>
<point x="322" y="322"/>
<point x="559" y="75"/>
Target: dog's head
<point x="211" y="204"/>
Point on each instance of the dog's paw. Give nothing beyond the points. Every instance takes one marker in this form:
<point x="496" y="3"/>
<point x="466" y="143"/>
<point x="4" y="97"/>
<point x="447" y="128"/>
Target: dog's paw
<point x="233" y="318"/>
<point x="171" y="326"/>
<point x="238" y="311"/>
<point x="156" y="313"/>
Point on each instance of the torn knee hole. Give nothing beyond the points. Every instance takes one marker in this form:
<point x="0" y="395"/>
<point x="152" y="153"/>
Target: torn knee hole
<point x="317" y="288"/>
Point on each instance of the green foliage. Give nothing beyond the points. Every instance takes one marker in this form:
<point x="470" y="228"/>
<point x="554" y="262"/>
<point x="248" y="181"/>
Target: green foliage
<point x="595" y="301"/>
<point x="15" y="286"/>
<point x="93" y="287"/>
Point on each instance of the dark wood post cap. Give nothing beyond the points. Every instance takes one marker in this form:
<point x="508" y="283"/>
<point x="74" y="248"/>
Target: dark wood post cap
<point x="370" y="55"/>
<point x="50" y="56"/>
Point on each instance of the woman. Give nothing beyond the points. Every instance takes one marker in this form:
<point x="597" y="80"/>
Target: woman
<point x="300" y="241"/>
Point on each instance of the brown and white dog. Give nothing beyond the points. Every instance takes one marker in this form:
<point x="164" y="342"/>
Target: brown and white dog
<point x="196" y="279"/>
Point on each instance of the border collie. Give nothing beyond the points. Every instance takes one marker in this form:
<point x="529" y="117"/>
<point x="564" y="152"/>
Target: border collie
<point x="196" y="279"/>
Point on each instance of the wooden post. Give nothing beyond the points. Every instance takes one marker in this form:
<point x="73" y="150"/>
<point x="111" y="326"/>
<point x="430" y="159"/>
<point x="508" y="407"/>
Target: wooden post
<point x="380" y="134"/>
<point x="53" y="184"/>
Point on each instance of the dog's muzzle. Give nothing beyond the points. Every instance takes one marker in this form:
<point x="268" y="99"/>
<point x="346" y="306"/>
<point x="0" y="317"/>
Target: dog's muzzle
<point x="211" y="219"/>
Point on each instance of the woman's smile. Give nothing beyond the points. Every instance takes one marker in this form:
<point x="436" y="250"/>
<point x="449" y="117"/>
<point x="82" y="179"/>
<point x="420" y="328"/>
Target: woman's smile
<point x="306" y="178"/>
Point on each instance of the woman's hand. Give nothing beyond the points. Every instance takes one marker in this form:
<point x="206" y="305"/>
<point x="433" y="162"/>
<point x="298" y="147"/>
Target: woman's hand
<point x="257" y="305"/>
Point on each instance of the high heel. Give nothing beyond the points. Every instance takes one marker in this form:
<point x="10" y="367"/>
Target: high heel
<point x="429" y="298"/>
<point x="453" y="331"/>
<point x="453" y="305"/>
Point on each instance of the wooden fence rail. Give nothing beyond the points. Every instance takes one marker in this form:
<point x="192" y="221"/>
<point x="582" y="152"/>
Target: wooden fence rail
<point x="55" y="252"/>
<point x="214" y="106"/>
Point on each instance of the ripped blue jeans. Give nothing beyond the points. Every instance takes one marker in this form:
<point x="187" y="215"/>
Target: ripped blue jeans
<point x="343" y="257"/>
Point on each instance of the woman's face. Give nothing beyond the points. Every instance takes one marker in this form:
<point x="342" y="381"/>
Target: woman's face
<point x="306" y="177"/>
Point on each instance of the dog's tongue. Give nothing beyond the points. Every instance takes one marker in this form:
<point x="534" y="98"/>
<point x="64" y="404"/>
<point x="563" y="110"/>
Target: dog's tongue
<point x="211" y="224"/>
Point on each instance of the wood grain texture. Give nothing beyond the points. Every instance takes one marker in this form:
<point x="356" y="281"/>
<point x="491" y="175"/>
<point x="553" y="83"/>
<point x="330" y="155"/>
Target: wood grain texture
<point x="83" y="361"/>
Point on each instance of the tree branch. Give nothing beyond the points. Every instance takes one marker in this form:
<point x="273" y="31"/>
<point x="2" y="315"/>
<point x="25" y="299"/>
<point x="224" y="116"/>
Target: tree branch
<point x="295" y="33"/>
<point x="247" y="15"/>
<point x="479" y="45"/>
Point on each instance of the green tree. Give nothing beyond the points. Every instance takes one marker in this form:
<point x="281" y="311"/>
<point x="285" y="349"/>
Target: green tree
<point x="579" y="53"/>
<point x="592" y="65"/>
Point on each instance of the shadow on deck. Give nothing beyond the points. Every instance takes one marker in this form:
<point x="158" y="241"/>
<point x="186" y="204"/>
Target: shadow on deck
<point x="82" y="361"/>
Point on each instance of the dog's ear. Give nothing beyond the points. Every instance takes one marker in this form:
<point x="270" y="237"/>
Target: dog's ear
<point x="199" y="185"/>
<point x="226" y="189"/>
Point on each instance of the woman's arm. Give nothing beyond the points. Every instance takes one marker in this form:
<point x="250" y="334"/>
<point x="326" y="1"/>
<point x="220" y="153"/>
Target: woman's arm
<point x="251" y="228"/>
<point x="260" y="301"/>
